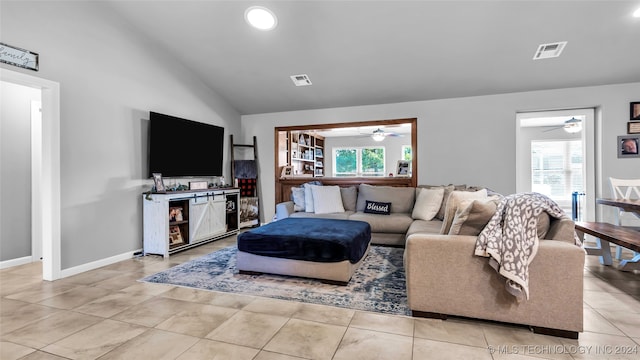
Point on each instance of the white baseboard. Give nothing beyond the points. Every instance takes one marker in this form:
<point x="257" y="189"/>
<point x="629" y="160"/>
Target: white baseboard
<point x="15" y="262"/>
<point x="97" y="264"/>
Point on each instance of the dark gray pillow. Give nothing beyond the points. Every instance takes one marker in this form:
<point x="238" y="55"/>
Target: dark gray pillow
<point x="349" y="197"/>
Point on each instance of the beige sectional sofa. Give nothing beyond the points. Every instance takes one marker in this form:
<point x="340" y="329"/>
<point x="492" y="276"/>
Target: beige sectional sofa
<point x="444" y="277"/>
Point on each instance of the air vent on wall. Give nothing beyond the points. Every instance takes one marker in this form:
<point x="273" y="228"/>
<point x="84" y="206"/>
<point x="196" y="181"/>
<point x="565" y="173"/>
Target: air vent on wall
<point x="546" y="51"/>
<point x="301" y="80"/>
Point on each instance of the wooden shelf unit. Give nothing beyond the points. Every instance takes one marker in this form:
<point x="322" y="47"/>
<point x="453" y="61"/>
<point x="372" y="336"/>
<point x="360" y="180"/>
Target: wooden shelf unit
<point x="304" y="152"/>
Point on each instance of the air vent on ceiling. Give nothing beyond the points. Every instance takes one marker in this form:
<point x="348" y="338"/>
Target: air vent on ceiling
<point x="546" y="51"/>
<point x="301" y="80"/>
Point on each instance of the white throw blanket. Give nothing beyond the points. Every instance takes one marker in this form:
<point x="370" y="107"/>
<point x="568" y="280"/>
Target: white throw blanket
<point x="510" y="238"/>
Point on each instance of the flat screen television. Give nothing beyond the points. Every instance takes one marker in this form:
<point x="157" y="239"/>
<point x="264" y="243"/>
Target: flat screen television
<point x="184" y="148"/>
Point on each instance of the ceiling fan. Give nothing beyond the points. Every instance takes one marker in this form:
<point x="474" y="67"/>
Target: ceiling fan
<point x="379" y="134"/>
<point x="571" y="126"/>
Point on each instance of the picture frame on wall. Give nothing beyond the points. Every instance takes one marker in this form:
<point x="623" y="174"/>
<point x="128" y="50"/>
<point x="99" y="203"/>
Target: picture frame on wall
<point x="159" y="183"/>
<point x="628" y="146"/>
<point x="633" y="127"/>
<point x="634" y="111"/>
<point x="403" y="168"/>
<point x="19" y="57"/>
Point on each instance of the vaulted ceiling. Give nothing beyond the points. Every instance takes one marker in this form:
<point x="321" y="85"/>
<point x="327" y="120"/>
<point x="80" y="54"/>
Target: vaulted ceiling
<point x="376" y="52"/>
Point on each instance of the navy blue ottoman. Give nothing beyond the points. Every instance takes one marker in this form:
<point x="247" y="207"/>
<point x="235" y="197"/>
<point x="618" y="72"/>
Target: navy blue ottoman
<point x="326" y="249"/>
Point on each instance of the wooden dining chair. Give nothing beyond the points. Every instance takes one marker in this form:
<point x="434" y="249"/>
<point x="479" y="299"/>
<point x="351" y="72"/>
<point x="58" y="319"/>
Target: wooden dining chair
<point x="624" y="189"/>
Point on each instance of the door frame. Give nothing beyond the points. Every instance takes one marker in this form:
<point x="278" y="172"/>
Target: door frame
<point x="523" y="183"/>
<point x="36" y="166"/>
<point x="46" y="186"/>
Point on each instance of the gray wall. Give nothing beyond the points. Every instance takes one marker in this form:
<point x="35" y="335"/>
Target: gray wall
<point x="110" y="78"/>
<point x="469" y="140"/>
<point x="15" y="167"/>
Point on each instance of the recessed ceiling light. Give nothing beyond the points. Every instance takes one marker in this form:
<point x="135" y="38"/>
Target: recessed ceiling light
<point x="636" y="13"/>
<point x="260" y="18"/>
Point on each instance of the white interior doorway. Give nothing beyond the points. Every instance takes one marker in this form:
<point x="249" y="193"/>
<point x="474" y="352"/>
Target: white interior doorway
<point x="46" y="160"/>
<point x="555" y="156"/>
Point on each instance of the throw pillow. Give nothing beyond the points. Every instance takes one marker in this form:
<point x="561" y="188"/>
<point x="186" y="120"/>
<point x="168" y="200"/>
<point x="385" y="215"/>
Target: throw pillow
<point x="454" y="201"/>
<point x="349" y="197"/>
<point x="308" y="196"/>
<point x="544" y="221"/>
<point x="326" y="199"/>
<point x="428" y="202"/>
<point x="297" y="195"/>
<point x="377" y="207"/>
<point x="470" y="220"/>
<point x="447" y="191"/>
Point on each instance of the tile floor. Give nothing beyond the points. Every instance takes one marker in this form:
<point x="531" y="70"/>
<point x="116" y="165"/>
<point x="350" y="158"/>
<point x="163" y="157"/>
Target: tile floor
<point x="107" y="314"/>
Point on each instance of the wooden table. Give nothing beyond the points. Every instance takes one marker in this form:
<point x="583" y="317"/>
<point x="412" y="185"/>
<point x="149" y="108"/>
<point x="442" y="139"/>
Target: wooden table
<point x="631" y="205"/>
<point x="632" y="237"/>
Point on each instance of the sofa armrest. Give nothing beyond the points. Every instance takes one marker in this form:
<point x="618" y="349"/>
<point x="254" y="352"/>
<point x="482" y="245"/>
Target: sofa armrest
<point x="562" y="230"/>
<point x="284" y="209"/>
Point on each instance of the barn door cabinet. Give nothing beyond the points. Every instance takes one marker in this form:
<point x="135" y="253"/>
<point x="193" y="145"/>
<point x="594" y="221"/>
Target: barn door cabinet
<point x="178" y="221"/>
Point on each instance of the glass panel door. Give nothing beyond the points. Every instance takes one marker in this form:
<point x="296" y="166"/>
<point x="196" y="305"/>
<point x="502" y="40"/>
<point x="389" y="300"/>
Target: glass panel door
<point x="556" y="170"/>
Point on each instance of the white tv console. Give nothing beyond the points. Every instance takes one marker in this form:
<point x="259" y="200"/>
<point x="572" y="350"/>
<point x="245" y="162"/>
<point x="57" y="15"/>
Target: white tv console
<point x="180" y="220"/>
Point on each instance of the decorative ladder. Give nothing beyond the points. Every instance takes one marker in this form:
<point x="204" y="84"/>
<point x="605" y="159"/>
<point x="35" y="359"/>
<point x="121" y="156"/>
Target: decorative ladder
<point x="245" y="176"/>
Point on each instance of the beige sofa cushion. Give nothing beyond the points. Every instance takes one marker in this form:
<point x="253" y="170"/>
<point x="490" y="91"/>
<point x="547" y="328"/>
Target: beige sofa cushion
<point x="401" y="198"/>
<point x="458" y="199"/>
<point x="428" y="202"/>
<point x="393" y="223"/>
<point x="470" y="220"/>
<point x="340" y="215"/>
<point x="425" y="227"/>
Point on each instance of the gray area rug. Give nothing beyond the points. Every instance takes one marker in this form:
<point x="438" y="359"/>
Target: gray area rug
<point x="378" y="285"/>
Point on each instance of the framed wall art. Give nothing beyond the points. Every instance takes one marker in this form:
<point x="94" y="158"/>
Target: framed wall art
<point x="198" y="185"/>
<point x="634" y="111"/>
<point x="633" y="127"/>
<point x="19" y="57"/>
<point x="403" y="168"/>
<point x="628" y="146"/>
